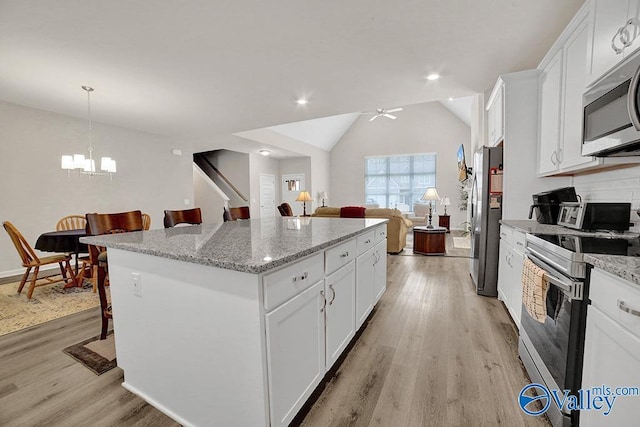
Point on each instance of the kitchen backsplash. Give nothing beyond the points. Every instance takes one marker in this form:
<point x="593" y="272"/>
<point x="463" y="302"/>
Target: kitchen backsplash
<point x="619" y="185"/>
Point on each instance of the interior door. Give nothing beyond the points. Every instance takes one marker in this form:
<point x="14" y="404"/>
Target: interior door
<point x="267" y="195"/>
<point x="292" y="185"/>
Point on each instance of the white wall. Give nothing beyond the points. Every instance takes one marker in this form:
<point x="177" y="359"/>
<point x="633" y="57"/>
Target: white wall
<point x="35" y="192"/>
<point x="421" y="128"/>
<point x="237" y="169"/>
<point x="208" y="197"/>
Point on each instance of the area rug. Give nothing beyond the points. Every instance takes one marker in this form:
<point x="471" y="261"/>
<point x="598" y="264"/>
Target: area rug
<point x="48" y="303"/>
<point x="99" y="356"/>
<point x="461" y="243"/>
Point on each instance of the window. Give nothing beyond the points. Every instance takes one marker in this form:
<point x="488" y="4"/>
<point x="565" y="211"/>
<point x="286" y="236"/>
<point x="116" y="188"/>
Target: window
<point x="398" y="181"/>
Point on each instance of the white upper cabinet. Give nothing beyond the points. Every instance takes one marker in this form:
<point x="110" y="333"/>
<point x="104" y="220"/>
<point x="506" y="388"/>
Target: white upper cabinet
<point x="550" y="109"/>
<point x="615" y="34"/>
<point x="495" y="115"/>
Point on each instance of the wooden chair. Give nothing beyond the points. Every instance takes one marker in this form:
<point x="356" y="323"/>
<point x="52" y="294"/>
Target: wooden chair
<point x="146" y="221"/>
<point x="30" y="260"/>
<point x="185" y="216"/>
<point x="239" y="213"/>
<point x="72" y="222"/>
<point x="98" y="224"/>
<point x="285" y="209"/>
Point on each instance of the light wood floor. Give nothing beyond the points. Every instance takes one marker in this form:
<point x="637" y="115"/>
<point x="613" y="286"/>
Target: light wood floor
<point x="433" y="354"/>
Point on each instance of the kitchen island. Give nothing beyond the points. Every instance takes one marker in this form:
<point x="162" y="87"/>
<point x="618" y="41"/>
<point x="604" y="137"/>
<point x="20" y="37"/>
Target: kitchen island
<point x="237" y="323"/>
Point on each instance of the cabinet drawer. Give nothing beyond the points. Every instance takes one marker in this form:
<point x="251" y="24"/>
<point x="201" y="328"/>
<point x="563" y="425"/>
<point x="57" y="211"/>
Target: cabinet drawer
<point x="506" y="234"/>
<point x="289" y="281"/>
<point x="518" y="238"/>
<point x="340" y="255"/>
<point x="366" y="241"/>
<point x="616" y="297"/>
<point x="381" y="233"/>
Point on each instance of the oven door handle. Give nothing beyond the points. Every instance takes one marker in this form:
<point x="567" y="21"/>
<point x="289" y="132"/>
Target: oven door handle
<point x="632" y="100"/>
<point x="540" y="256"/>
<point x="570" y="288"/>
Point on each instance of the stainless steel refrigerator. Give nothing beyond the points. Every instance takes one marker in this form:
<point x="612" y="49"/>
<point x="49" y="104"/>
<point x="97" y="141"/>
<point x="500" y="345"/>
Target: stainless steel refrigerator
<point x="486" y="212"/>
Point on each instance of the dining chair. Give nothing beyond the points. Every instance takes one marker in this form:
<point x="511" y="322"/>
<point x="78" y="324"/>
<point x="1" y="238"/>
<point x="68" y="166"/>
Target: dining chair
<point x="146" y="221"/>
<point x="241" y="212"/>
<point x="285" y="209"/>
<point x="98" y="224"/>
<point x="31" y="261"/>
<point x="185" y="216"/>
<point x="72" y="222"/>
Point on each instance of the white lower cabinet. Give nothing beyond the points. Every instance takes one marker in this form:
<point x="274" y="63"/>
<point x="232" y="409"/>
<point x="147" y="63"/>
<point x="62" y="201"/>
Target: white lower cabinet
<point x="365" y="266"/>
<point x="296" y="352"/>
<point x="380" y="275"/>
<point x="340" y="318"/>
<point x="612" y="348"/>
<point x="307" y="333"/>
<point x="510" y="265"/>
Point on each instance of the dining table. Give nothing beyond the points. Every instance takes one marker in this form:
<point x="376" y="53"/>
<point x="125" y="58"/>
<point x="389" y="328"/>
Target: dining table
<point x="63" y="241"/>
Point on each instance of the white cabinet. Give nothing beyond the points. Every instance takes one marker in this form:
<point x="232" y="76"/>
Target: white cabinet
<point x="296" y="352"/>
<point x="510" y="264"/>
<point x="615" y="34"/>
<point x="495" y="115"/>
<point x="340" y="319"/>
<point x="612" y="347"/>
<point x="365" y="267"/>
<point x="380" y="275"/>
<point x="562" y="84"/>
<point x="371" y="268"/>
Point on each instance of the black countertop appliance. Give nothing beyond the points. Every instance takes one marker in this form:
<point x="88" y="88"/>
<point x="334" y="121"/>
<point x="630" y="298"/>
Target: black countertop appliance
<point x="547" y="204"/>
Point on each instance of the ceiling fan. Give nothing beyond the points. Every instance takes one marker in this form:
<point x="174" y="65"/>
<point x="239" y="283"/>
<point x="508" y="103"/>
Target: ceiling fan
<point x="381" y="112"/>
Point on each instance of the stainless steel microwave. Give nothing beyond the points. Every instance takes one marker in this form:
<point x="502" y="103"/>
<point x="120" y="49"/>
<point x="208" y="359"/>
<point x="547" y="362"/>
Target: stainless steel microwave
<point x="611" y="125"/>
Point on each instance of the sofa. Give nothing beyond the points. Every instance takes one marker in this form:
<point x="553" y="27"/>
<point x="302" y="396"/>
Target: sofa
<point x="397" y="226"/>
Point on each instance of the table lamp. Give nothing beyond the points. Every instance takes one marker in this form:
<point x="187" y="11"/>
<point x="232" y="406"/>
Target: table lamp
<point x="445" y="202"/>
<point x="431" y="194"/>
<point x="304" y="197"/>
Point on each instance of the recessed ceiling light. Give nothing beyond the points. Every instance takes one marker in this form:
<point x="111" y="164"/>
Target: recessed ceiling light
<point x="302" y="101"/>
<point x="450" y="99"/>
<point x="433" y="76"/>
<point x="265" y="152"/>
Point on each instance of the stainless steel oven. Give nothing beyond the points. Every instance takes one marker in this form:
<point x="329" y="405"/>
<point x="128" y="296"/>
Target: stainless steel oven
<point x="552" y="351"/>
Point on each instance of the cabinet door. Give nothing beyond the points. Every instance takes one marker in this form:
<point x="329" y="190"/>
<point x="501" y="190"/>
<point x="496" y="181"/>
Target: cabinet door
<point x="515" y="306"/>
<point x="365" y="283"/>
<point x="380" y="275"/>
<point x="550" y="93"/>
<point x="295" y="352"/>
<point x="570" y="153"/>
<point x="340" y="291"/>
<point x="495" y="118"/>
<point x="611" y="358"/>
<point x="609" y="16"/>
<point x="504" y="273"/>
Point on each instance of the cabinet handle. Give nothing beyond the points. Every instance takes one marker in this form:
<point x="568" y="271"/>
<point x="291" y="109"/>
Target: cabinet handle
<point x="624" y="307"/>
<point x="324" y="299"/>
<point x="298" y="278"/>
<point x="520" y="244"/>
<point x="554" y="154"/>
<point x="344" y="255"/>
<point x="333" y="297"/>
<point x="366" y="242"/>
<point x="559" y="155"/>
<point x="616" y="49"/>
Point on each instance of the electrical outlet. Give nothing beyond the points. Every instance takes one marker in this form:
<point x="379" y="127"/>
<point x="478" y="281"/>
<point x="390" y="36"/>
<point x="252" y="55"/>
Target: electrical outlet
<point x="137" y="290"/>
<point x="187" y="202"/>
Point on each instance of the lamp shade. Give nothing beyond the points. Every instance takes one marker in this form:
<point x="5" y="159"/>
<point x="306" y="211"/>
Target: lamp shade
<point x="322" y="195"/>
<point x="304" y="196"/>
<point x="430" y="194"/>
<point x="67" y="162"/>
<point x="445" y="201"/>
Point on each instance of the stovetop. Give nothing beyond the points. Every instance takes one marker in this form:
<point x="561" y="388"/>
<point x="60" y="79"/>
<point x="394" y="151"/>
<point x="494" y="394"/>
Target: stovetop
<point x="607" y="244"/>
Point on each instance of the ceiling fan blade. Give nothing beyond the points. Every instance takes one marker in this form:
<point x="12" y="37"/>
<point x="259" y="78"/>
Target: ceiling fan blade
<point x="394" y="110"/>
<point x="390" y="116"/>
<point x="374" y="117"/>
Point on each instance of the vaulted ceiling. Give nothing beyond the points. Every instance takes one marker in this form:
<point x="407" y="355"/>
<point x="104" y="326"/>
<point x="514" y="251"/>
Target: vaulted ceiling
<point x="205" y="68"/>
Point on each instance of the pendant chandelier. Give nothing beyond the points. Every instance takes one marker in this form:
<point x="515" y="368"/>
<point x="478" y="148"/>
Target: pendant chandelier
<point x="87" y="165"/>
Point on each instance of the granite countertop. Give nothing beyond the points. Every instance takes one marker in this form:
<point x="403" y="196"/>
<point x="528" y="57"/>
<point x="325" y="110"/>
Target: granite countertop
<point x="626" y="267"/>
<point x="252" y="246"/>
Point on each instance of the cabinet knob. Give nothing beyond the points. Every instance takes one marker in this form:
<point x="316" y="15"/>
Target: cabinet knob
<point x="344" y="255"/>
<point x="302" y="277"/>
